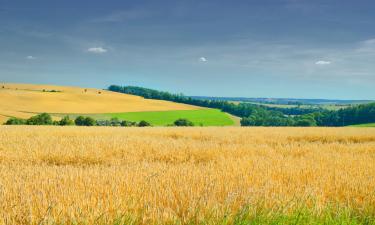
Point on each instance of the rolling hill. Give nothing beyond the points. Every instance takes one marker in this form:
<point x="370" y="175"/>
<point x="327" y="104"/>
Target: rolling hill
<point x="26" y="100"/>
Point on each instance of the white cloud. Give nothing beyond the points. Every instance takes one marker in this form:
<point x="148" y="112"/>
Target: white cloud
<point x="322" y="62"/>
<point x="30" y="57"/>
<point x="202" y="59"/>
<point x="97" y="50"/>
<point x="367" y="46"/>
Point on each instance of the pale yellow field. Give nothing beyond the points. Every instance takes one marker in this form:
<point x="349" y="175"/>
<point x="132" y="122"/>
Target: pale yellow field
<point x="24" y="100"/>
<point x="87" y="175"/>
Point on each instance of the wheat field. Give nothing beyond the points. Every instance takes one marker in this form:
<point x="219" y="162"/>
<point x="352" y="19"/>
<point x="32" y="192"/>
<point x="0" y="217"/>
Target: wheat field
<point x="25" y="100"/>
<point x="75" y="175"/>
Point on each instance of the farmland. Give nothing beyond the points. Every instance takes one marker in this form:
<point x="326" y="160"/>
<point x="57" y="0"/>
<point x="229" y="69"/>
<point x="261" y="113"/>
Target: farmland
<point x="208" y="117"/>
<point x="202" y="117"/>
<point x="25" y="100"/>
<point x="70" y="175"/>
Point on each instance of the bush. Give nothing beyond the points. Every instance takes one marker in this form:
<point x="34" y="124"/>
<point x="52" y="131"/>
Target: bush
<point x="80" y="121"/>
<point x="126" y="123"/>
<point x="115" y="122"/>
<point x="84" y="121"/>
<point x="15" y="121"/>
<point x="66" y="121"/>
<point x="90" y="121"/>
<point x="183" y="123"/>
<point x="104" y="123"/>
<point x="144" y="124"/>
<point x="41" y="119"/>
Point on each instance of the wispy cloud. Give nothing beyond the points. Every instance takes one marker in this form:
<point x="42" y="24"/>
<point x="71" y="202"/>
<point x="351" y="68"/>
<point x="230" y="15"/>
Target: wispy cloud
<point x="120" y="16"/>
<point x="30" y="57"/>
<point x="367" y="46"/>
<point x="97" y="50"/>
<point x="322" y="62"/>
<point x="202" y="59"/>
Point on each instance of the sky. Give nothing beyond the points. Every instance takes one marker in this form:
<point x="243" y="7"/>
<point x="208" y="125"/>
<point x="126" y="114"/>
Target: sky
<point x="265" y="48"/>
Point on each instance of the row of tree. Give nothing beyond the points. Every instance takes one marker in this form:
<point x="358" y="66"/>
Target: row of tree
<point x="240" y="110"/>
<point x="46" y="119"/>
<point x="256" y="115"/>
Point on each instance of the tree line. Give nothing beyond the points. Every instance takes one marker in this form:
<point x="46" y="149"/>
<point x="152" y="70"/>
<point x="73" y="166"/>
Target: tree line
<point x="46" y="119"/>
<point x="257" y="115"/>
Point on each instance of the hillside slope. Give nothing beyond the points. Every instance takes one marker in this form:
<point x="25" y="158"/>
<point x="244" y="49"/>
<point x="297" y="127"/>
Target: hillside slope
<point x="25" y="100"/>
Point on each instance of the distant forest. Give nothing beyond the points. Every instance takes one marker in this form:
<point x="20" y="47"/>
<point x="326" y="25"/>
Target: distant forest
<point x="259" y="115"/>
<point x="287" y="101"/>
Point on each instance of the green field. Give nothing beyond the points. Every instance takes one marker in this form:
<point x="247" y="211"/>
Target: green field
<point x="364" y="125"/>
<point x="204" y="117"/>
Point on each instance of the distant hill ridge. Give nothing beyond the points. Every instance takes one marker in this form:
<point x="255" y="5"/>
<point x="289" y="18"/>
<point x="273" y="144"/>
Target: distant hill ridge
<point x="286" y="100"/>
<point x="260" y="115"/>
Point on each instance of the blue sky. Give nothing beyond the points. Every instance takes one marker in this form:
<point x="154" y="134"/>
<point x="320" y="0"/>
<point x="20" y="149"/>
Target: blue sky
<point x="279" y="48"/>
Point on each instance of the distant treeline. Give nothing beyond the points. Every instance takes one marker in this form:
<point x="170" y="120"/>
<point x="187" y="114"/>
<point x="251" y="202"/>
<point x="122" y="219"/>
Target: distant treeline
<point x="287" y="101"/>
<point x="46" y="119"/>
<point x="256" y="115"/>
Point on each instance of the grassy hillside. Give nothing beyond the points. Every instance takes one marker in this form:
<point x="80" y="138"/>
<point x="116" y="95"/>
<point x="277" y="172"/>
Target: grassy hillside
<point x="25" y="100"/>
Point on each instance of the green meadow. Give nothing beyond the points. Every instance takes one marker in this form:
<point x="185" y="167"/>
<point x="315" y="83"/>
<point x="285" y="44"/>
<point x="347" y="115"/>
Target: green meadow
<point x="203" y="117"/>
<point x="206" y="117"/>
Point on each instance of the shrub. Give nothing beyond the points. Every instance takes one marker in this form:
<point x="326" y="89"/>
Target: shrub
<point x="90" y="121"/>
<point x="66" y="121"/>
<point x="115" y="122"/>
<point x="84" y="121"/>
<point x="15" y="121"/>
<point x="126" y="123"/>
<point x="144" y="124"/>
<point x="41" y="119"/>
<point x="104" y="123"/>
<point x="183" y="123"/>
<point x="80" y="121"/>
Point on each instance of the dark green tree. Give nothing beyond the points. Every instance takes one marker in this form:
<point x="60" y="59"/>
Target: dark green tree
<point x="80" y="121"/>
<point x="115" y="122"/>
<point x="183" y="123"/>
<point x="66" y="121"/>
<point x="126" y="123"/>
<point x="41" y="119"/>
<point x="89" y="122"/>
<point x="143" y="123"/>
<point x="15" y="121"/>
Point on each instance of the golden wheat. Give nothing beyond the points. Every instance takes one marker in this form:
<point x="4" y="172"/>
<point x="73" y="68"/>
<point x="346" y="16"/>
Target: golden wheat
<point x="162" y="175"/>
<point x="24" y="100"/>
